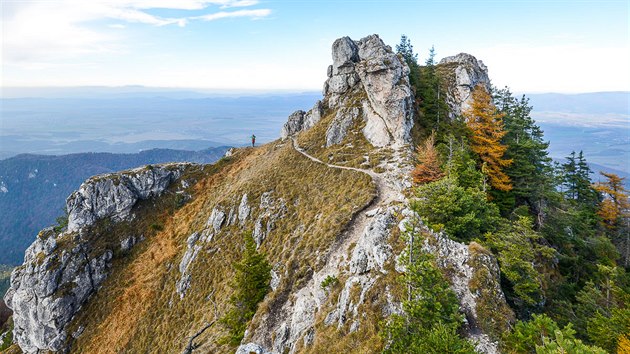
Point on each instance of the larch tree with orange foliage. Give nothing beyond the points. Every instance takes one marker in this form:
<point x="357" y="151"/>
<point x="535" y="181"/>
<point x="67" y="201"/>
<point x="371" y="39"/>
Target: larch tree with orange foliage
<point x="486" y="125"/>
<point x="428" y="167"/>
<point x="614" y="210"/>
<point x="615" y="205"/>
<point x="623" y="344"/>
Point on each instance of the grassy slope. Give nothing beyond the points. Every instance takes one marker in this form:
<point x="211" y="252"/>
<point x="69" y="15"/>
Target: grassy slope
<point x="138" y="310"/>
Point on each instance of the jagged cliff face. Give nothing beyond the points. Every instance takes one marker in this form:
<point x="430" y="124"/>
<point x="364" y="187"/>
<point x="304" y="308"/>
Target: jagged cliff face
<point x="146" y="261"/>
<point x="367" y="82"/>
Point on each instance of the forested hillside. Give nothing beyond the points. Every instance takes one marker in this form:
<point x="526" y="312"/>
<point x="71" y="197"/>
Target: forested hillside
<point x="562" y="241"/>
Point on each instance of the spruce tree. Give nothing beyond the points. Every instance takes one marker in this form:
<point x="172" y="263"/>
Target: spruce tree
<point x="526" y="147"/>
<point x="250" y="284"/>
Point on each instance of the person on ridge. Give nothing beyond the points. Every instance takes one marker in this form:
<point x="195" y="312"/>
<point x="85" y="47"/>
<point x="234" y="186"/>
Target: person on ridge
<point x="253" y="140"/>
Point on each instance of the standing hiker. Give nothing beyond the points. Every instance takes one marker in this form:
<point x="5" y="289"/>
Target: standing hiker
<point x="253" y="140"/>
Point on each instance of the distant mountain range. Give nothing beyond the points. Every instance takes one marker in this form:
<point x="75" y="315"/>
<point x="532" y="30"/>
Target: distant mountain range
<point x="33" y="188"/>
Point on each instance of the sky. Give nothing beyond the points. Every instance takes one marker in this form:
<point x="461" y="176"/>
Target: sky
<point x="530" y="46"/>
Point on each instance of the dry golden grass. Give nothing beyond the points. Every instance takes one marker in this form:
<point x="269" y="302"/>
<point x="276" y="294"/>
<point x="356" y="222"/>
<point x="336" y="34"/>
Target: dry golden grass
<point x="137" y="310"/>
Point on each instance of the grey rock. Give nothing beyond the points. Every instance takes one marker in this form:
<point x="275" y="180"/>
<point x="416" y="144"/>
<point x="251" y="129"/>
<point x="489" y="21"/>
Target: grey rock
<point x="372" y="249"/>
<point x="243" y="210"/>
<point x="128" y="243"/>
<point x="313" y="115"/>
<point x="47" y="291"/>
<point x="182" y="285"/>
<point x="113" y="195"/>
<point x="384" y="76"/>
<point x="230" y="152"/>
<point x="250" y="348"/>
<point x="258" y="234"/>
<point x="344" y="53"/>
<point x="483" y="344"/>
<point x="367" y="76"/>
<point x="467" y="72"/>
<point x="340" y="125"/>
<point x="275" y="280"/>
<point x="270" y="211"/>
<point x="232" y="217"/>
<point x="216" y="219"/>
<point x="299" y="120"/>
<point x="293" y="125"/>
<point x="192" y="249"/>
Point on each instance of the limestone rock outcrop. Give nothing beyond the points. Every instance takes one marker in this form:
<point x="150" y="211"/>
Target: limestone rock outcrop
<point x="113" y="195"/>
<point x="53" y="283"/>
<point x="366" y="81"/>
<point x="465" y="72"/>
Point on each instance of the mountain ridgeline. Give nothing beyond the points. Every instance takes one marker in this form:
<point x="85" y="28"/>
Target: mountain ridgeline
<point x="413" y="209"/>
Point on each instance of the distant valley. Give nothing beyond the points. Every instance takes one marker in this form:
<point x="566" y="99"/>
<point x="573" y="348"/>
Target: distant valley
<point x="597" y="123"/>
<point x="128" y="122"/>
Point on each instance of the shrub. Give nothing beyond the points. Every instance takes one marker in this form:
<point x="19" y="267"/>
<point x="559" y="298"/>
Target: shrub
<point x="463" y="213"/>
<point x="329" y="282"/>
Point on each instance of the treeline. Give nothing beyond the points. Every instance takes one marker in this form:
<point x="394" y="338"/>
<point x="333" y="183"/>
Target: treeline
<point x="562" y="242"/>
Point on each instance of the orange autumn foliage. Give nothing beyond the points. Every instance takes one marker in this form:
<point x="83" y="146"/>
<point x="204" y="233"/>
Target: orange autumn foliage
<point x="486" y="125"/>
<point x="615" y="205"/>
<point x="623" y="345"/>
<point x="428" y="169"/>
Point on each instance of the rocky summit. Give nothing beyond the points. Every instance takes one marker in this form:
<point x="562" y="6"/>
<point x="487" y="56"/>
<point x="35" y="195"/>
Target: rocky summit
<point x="370" y="77"/>
<point x="147" y="260"/>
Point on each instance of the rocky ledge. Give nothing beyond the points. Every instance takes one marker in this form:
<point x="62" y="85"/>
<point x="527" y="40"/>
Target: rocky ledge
<point x="113" y="195"/>
<point x="62" y="270"/>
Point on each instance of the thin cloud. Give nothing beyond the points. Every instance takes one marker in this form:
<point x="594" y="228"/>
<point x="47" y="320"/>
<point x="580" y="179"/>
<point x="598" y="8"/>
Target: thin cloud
<point x="43" y="32"/>
<point x="240" y="3"/>
<point x="254" y="14"/>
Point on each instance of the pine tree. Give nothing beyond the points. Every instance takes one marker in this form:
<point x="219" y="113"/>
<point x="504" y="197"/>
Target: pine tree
<point x="520" y="256"/>
<point x="431" y="317"/>
<point x="614" y="211"/>
<point x="486" y="125"/>
<point x="432" y="107"/>
<point x="250" y="284"/>
<point x="576" y="181"/>
<point x="405" y="49"/>
<point x="428" y="169"/>
<point x="526" y="147"/>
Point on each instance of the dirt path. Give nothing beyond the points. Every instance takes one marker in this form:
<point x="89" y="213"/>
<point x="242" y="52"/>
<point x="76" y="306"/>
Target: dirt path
<point x="385" y="195"/>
